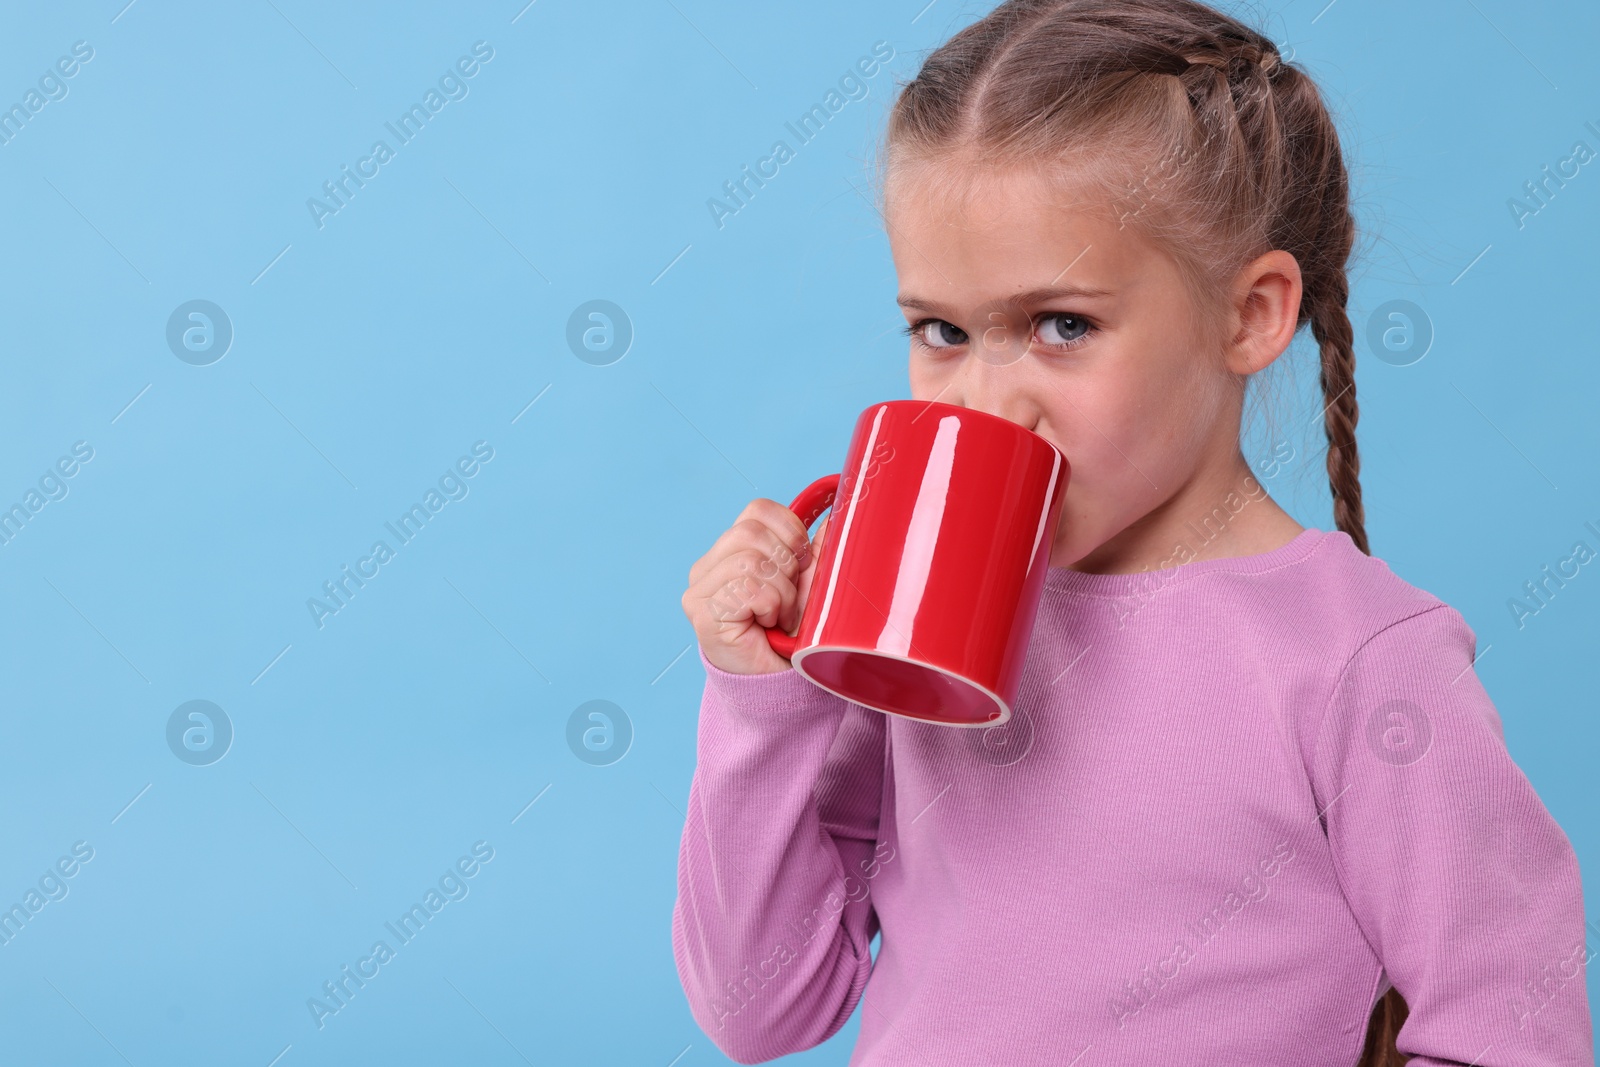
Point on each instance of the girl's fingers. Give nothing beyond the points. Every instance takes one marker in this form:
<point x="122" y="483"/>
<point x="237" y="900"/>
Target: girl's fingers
<point x="752" y="576"/>
<point x="742" y="587"/>
<point x="767" y="532"/>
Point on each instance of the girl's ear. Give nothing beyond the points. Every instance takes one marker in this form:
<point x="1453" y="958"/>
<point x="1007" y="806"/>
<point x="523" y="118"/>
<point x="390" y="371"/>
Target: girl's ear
<point x="1266" y="308"/>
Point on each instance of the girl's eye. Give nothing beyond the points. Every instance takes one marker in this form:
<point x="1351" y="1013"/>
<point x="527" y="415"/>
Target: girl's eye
<point x="937" y="333"/>
<point x="1062" y="329"/>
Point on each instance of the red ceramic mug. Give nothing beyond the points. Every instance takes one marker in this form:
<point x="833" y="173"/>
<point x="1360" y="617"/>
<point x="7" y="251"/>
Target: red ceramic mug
<point x="931" y="568"/>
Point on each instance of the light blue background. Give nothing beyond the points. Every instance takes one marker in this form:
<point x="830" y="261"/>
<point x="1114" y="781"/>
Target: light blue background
<point x="430" y="311"/>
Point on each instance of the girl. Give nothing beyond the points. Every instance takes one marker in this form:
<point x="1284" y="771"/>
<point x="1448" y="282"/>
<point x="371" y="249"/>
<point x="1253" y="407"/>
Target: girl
<point x="1254" y="806"/>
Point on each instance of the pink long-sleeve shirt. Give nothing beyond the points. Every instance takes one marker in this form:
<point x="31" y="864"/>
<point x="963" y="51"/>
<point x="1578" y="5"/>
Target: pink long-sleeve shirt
<point x="1238" y="799"/>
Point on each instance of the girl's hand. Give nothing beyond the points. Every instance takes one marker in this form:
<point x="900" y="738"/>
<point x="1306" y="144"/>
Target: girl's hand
<point x="757" y="574"/>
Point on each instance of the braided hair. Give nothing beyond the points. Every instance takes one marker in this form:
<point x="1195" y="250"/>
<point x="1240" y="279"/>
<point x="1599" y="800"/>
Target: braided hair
<point x="1099" y="85"/>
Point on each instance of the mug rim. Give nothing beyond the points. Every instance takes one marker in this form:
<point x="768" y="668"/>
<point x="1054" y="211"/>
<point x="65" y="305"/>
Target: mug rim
<point x="800" y="656"/>
<point x="981" y="416"/>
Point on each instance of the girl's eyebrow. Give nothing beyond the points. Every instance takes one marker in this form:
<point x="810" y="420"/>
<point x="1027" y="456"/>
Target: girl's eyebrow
<point x="1032" y="296"/>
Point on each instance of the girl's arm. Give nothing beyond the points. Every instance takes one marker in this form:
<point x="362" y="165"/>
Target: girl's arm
<point x="1465" y="886"/>
<point x="773" y="920"/>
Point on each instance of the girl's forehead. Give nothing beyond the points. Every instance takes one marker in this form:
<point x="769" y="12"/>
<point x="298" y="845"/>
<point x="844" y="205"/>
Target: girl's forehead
<point x="998" y="203"/>
<point x="1016" y="223"/>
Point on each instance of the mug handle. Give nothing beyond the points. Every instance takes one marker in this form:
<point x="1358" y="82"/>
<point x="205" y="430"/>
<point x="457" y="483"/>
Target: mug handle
<point x="813" y="500"/>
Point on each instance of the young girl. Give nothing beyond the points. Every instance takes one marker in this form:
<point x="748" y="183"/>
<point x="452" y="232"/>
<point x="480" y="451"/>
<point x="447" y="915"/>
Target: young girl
<point x="1254" y="806"/>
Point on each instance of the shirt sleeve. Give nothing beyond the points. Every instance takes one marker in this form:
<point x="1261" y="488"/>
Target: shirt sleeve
<point x="773" y="921"/>
<point x="1464" y="885"/>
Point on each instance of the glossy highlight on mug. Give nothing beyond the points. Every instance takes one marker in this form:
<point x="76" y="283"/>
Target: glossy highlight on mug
<point x="926" y="589"/>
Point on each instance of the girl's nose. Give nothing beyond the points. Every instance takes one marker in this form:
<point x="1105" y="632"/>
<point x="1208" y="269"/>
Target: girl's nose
<point x="1003" y="390"/>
